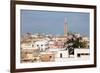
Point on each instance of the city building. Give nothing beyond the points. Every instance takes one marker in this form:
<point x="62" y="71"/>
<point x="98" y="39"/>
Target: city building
<point x="60" y="52"/>
<point x="47" y="56"/>
<point x="81" y="53"/>
<point x="77" y="35"/>
<point x="42" y="45"/>
<point x="29" y="55"/>
<point x="52" y="44"/>
<point x="26" y="46"/>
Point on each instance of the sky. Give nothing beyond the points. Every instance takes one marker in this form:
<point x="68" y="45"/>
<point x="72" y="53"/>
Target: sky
<point x="52" y="22"/>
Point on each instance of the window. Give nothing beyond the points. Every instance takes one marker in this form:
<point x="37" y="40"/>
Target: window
<point x="32" y="45"/>
<point x="37" y="45"/>
<point x="78" y="55"/>
<point x="46" y="44"/>
<point x="60" y="55"/>
<point x="50" y="57"/>
<point x="41" y="45"/>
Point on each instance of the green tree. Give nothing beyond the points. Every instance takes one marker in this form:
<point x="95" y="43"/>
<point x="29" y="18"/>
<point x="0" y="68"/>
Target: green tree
<point x="76" y="43"/>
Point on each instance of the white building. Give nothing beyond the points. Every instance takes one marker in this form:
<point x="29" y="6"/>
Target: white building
<point x="26" y="46"/>
<point x="77" y="35"/>
<point x="42" y="45"/>
<point x="81" y="53"/>
<point x="60" y="52"/>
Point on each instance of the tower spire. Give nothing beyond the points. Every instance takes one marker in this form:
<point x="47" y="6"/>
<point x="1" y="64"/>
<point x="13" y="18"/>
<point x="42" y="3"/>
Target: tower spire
<point x="65" y="27"/>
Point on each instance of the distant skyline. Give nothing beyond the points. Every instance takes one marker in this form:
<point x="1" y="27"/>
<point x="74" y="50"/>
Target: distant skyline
<point x="51" y="22"/>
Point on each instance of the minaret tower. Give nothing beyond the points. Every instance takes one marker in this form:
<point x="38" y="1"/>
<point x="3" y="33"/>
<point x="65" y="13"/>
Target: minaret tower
<point x="65" y="27"/>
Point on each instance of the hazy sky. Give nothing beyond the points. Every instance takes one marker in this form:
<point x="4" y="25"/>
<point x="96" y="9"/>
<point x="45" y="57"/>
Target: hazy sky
<point x="53" y="22"/>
